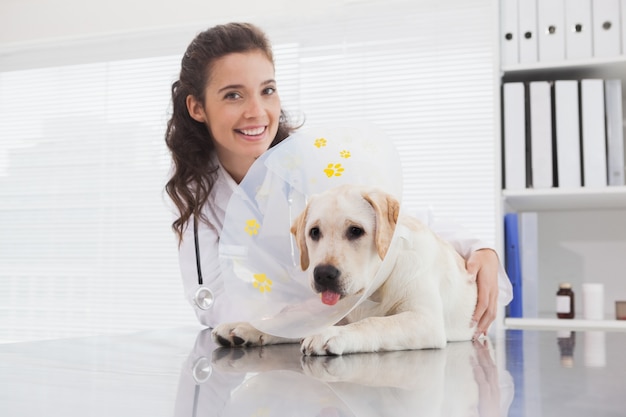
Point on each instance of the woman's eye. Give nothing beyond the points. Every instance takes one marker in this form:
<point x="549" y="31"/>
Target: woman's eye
<point x="269" y="90"/>
<point x="232" y="96"/>
<point x="314" y="233"/>
<point x="355" y="232"/>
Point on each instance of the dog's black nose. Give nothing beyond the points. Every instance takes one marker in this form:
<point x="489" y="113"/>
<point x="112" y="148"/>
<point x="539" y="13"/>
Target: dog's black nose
<point x="326" y="275"/>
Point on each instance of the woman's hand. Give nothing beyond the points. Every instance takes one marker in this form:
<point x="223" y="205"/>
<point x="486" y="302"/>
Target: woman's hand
<point x="483" y="265"/>
<point x="486" y="376"/>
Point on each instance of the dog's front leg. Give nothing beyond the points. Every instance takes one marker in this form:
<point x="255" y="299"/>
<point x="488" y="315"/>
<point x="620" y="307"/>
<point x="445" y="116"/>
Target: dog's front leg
<point x="244" y="334"/>
<point x="403" y="331"/>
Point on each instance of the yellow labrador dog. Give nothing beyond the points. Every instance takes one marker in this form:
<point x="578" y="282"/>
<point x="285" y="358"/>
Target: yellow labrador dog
<point x="427" y="299"/>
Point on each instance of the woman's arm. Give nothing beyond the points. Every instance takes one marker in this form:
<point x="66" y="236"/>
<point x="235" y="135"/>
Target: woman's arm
<point x="206" y="295"/>
<point x="208" y="237"/>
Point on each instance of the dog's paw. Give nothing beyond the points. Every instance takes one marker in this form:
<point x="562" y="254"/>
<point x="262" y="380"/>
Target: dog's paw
<point x="331" y="342"/>
<point x="325" y="368"/>
<point x="237" y="334"/>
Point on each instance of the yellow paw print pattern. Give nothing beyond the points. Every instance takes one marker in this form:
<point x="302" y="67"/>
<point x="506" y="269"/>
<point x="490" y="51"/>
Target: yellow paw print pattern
<point x="320" y="142"/>
<point x="252" y="227"/>
<point x="333" y="170"/>
<point x="345" y="154"/>
<point x="262" y="283"/>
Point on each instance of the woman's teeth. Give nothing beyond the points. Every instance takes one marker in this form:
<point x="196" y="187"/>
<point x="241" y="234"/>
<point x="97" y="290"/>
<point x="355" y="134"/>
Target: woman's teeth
<point x="252" y="132"/>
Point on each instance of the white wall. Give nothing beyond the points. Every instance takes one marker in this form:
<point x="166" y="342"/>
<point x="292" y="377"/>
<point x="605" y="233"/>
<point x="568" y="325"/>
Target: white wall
<point x="25" y="21"/>
<point x="578" y="247"/>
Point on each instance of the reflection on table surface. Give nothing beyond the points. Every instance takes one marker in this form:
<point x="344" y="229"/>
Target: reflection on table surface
<point x="460" y="380"/>
<point x="181" y="372"/>
<point x="567" y="373"/>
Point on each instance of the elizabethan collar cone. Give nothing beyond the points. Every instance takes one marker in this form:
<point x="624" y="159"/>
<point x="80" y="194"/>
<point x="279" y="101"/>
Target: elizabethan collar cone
<point x="258" y="255"/>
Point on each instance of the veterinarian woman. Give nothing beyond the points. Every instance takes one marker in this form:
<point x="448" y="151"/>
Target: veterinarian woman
<point x="226" y="113"/>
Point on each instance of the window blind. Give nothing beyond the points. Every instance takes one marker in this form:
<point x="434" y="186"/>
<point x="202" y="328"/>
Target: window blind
<point x="85" y="239"/>
<point x="85" y="242"/>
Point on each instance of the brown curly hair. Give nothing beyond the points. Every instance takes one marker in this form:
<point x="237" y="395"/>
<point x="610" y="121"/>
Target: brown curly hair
<point x="189" y="141"/>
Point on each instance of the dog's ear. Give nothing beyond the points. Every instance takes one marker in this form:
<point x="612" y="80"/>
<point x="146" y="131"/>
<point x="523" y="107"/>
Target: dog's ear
<point x="298" y="230"/>
<point x="387" y="209"/>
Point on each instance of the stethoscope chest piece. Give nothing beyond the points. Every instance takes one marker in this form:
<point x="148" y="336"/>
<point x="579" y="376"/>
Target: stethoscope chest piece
<point x="202" y="370"/>
<point x="204" y="298"/>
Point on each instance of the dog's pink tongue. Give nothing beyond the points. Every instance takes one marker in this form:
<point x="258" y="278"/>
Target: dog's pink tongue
<point x="330" y="298"/>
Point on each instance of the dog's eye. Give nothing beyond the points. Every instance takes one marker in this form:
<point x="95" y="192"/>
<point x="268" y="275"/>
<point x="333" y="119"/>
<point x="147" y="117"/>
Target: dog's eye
<point x="354" y="232"/>
<point x="314" y="233"/>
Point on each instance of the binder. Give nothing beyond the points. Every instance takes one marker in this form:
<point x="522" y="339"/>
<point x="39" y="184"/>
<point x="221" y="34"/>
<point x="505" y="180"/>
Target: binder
<point x="567" y="134"/>
<point x="527" y="21"/>
<point x="509" y="39"/>
<point x="606" y="28"/>
<point x="614" y="132"/>
<point x="541" y="134"/>
<point x="551" y="30"/>
<point x="578" y="30"/>
<point x="514" y="132"/>
<point x="512" y="264"/>
<point x="593" y="133"/>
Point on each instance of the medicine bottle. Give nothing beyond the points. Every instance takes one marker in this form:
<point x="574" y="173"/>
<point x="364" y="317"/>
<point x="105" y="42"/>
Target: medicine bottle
<point x="565" y="301"/>
<point x="566" y="340"/>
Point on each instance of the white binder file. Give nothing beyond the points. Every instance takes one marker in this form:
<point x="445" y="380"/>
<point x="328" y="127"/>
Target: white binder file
<point x="606" y="28"/>
<point x="623" y="25"/>
<point x="578" y="30"/>
<point x="527" y="21"/>
<point x="509" y="38"/>
<point x="614" y="132"/>
<point x="593" y="133"/>
<point x="551" y="30"/>
<point x="541" y="134"/>
<point x="567" y="134"/>
<point x="514" y="136"/>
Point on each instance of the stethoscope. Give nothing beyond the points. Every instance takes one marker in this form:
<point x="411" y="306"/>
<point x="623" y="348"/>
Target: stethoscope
<point x="203" y="298"/>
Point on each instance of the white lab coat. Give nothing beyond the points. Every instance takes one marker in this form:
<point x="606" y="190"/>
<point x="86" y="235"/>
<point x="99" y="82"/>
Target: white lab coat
<point x="221" y="309"/>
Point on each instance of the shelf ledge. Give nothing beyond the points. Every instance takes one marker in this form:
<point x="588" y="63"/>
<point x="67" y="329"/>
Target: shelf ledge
<point x="611" y="197"/>
<point x="564" y="324"/>
<point x="613" y="67"/>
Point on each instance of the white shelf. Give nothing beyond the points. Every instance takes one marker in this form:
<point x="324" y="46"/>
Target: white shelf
<point x="555" y="199"/>
<point x="570" y="69"/>
<point x="564" y="324"/>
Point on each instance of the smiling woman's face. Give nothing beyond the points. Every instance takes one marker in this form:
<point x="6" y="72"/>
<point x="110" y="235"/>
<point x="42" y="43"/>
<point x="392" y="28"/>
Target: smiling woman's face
<point x="241" y="109"/>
